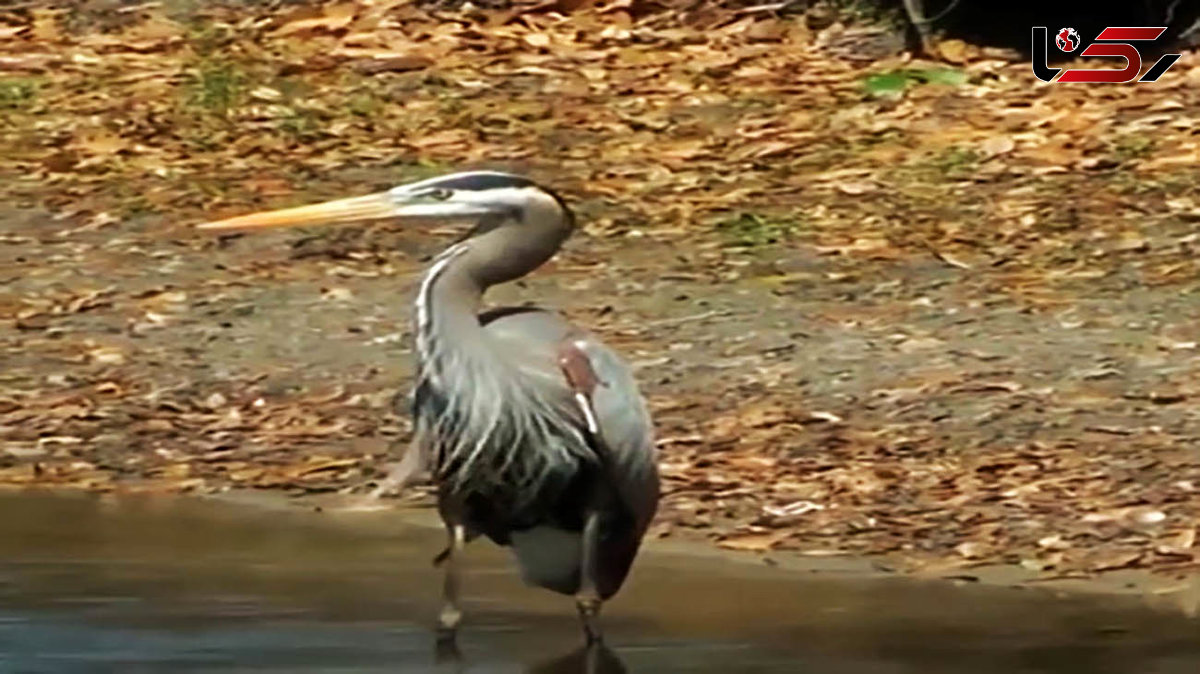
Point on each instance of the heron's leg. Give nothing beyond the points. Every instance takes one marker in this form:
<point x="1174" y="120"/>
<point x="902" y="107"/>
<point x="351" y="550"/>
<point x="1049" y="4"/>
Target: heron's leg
<point x="402" y="474"/>
<point x="451" y="614"/>
<point x="587" y="600"/>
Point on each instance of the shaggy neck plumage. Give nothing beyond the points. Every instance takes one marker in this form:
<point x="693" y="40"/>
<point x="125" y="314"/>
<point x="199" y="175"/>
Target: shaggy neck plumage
<point x="488" y="411"/>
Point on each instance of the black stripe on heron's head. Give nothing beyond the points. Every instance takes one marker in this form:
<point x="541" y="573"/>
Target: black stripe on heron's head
<point x="479" y="181"/>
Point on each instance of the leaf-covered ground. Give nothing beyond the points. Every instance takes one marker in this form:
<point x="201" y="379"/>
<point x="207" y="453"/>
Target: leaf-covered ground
<point x="935" y="311"/>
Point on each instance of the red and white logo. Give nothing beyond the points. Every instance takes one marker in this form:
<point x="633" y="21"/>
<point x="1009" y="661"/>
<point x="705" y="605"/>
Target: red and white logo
<point x="1112" y="41"/>
<point x="1067" y="40"/>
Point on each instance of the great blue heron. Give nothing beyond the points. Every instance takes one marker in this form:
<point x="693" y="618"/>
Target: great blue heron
<point x="534" y="431"/>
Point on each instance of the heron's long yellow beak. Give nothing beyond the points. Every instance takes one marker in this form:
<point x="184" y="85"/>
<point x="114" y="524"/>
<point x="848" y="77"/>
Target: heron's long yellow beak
<point x="355" y="209"/>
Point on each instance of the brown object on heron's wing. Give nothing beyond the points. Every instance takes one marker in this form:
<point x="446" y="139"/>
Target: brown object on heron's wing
<point x="577" y="368"/>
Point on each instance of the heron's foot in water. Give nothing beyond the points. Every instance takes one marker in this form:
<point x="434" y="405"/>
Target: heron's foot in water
<point x="448" y="621"/>
<point x="589" y="616"/>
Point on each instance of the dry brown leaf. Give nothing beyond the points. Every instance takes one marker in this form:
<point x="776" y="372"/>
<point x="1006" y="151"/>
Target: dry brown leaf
<point x="855" y="188"/>
<point x="318" y="465"/>
<point x="10" y="32"/>
<point x="754" y="542"/>
<point x="394" y="62"/>
<point x="769" y="30"/>
<point x="954" y="51"/>
<point x="996" y="146"/>
<point x="540" y="40"/>
<point x="45" y="25"/>
<point x="335" y="17"/>
<point x="100" y="143"/>
<point x="1181" y="543"/>
<point x="1112" y="560"/>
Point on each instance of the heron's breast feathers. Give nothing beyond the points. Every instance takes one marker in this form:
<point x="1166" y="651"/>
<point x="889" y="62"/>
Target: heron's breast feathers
<point x="482" y="437"/>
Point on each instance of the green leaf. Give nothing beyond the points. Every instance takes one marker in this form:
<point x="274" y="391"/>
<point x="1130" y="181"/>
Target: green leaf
<point x="887" y="84"/>
<point x="947" y="76"/>
<point x="894" y="82"/>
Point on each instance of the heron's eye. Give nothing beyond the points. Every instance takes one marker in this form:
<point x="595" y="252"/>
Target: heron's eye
<point x="440" y="194"/>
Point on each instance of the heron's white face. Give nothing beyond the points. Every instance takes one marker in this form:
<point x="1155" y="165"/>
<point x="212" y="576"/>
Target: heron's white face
<point x="446" y="203"/>
<point x="471" y="195"/>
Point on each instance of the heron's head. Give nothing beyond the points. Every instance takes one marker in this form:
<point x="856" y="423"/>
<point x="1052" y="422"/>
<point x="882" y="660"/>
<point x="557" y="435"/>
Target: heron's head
<point x="488" y="198"/>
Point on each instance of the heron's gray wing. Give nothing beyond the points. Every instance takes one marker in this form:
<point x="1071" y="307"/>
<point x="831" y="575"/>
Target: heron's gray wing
<point x="624" y="428"/>
<point x="533" y="340"/>
<point x="599" y="391"/>
<point x="609" y="399"/>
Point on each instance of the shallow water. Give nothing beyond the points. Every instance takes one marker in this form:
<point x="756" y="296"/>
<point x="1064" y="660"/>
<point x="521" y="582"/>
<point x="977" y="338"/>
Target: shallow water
<point x="167" y="585"/>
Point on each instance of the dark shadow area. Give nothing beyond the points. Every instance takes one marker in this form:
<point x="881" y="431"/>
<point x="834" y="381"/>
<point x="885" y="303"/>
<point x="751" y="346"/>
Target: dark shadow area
<point x="1008" y="24"/>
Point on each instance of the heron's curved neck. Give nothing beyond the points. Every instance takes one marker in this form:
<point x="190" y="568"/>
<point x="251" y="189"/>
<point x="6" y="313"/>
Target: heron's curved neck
<point x="451" y="293"/>
<point x="448" y="302"/>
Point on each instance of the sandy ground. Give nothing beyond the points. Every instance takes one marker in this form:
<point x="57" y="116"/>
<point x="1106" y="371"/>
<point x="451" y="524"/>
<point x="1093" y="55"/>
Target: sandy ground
<point x="281" y="378"/>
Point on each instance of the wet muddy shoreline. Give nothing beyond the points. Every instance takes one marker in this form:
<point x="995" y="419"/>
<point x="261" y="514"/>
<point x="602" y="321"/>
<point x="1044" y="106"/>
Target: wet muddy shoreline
<point x="187" y="584"/>
<point x="1179" y="594"/>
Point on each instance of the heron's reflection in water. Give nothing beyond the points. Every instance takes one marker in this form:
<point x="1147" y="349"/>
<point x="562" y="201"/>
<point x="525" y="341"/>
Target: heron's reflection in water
<point x="595" y="658"/>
